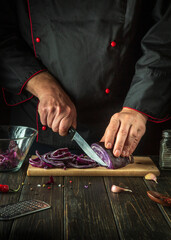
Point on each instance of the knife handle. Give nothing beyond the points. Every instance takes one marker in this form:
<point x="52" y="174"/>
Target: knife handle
<point x="71" y="131"/>
<point x="159" y="198"/>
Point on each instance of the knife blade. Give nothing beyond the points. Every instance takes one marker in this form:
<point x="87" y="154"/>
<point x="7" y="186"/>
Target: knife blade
<point x="84" y="146"/>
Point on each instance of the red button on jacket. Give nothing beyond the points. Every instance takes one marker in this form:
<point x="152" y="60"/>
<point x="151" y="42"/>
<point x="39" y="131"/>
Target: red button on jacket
<point x="43" y="128"/>
<point x="113" y="44"/>
<point x="107" y="90"/>
<point x="37" y="39"/>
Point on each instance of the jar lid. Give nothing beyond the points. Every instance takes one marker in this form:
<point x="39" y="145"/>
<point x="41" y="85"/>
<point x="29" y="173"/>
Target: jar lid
<point x="166" y="133"/>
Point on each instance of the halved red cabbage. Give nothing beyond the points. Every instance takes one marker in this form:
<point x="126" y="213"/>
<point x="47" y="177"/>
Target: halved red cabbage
<point x="107" y="156"/>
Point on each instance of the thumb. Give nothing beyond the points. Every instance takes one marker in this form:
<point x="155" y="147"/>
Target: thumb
<point x="102" y="139"/>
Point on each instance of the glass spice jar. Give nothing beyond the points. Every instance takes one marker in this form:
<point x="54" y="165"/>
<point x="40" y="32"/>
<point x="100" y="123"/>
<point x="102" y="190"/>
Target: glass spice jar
<point x="165" y="150"/>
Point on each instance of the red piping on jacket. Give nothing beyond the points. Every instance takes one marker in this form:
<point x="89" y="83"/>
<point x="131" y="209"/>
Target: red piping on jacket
<point x="29" y="79"/>
<point x="151" y="120"/>
<point x="21" y="91"/>
<point x="159" y="121"/>
<point x="11" y="105"/>
<point x="37" y="124"/>
<point x="31" y="28"/>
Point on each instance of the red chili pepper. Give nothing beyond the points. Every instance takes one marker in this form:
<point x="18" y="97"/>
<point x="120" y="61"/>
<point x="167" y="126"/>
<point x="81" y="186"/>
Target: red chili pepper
<point x="5" y="189"/>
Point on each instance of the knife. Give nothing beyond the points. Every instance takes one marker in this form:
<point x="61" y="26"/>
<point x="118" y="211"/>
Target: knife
<point x="159" y="198"/>
<point x="84" y="146"/>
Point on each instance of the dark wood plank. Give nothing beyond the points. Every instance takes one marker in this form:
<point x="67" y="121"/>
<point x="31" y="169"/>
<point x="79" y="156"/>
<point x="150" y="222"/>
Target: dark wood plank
<point x="87" y="213"/>
<point x="164" y="187"/>
<point x="135" y="214"/>
<point x="13" y="180"/>
<point x="47" y="224"/>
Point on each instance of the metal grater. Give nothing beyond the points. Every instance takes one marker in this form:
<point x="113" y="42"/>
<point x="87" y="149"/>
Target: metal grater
<point x="19" y="209"/>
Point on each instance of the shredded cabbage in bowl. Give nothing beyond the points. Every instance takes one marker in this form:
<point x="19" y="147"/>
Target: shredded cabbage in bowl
<point x="10" y="158"/>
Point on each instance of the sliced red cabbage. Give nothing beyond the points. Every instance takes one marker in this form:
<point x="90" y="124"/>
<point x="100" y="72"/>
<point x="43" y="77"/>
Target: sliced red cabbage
<point x="63" y="158"/>
<point x="9" y="159"/>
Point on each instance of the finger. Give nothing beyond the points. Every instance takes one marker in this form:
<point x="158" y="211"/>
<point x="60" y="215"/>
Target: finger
<point x="43" y="117"/>
<point x="126" y="149"/>
<point x="74" y="124"/>
<point x="121" y="138"/>
<point x="50" y="121"/>
<point x="50" y="118"/>
<point x="136" y="139"/>
<point x="69" y="119"/>
<point x="132" y="140"/>
<point x="57" y="119"/>
<point x="111" y="132"/>
<point x="56" y="122"/>
<point x="134" y="146"/>
<point x="64" y="126"/>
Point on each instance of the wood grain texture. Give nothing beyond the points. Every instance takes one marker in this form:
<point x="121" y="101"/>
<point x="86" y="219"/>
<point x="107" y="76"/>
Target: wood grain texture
<point x="13" y="180"/>
<point x="140" y="167"/>
<point x="84" y="208"/>
<point x="87" y="213"/>
<point x="136" y="217"/>
<point x="47" y="224"/>
<point x="164" y="187"/>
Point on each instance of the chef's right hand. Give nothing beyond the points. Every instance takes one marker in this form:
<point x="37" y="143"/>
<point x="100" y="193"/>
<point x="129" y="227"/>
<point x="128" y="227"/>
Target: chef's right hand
<point x="55" y="108"/>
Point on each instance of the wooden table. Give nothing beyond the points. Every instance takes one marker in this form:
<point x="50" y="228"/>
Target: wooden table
<point x="89" y="213"/>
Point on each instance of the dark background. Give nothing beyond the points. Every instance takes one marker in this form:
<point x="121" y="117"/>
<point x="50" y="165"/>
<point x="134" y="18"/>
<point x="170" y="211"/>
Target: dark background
<point x="4" y="110"/>
<point x="145" y="147"/>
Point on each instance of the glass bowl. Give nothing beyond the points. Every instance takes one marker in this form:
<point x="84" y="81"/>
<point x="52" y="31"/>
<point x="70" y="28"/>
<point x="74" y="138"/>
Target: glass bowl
<point x="15" y="142"/>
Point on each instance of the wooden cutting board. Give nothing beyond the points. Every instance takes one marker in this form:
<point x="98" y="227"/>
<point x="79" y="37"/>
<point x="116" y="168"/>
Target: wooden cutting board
<point x="140" y="167"/>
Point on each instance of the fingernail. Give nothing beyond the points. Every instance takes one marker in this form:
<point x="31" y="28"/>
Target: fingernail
<point x="109" y="145"/>
<point x="117" y="153"/>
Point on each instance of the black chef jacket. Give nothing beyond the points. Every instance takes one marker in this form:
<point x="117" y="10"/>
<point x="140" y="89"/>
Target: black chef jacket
<point x="105" y="54"/>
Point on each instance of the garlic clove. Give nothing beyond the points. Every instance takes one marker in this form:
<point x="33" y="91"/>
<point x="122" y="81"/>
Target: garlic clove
<point x="117" y="189"/>
<point x="151" y="176"/>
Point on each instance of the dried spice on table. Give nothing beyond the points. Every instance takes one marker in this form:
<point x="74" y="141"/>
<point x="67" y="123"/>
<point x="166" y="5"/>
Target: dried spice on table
<point x="51" y="181"/>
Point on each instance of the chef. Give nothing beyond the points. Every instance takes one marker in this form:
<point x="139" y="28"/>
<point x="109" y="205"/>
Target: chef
<point x="103" y="67"/>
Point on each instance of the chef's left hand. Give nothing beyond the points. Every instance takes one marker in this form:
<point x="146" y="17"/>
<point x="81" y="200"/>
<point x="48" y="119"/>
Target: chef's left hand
<point x="124" y="132"/>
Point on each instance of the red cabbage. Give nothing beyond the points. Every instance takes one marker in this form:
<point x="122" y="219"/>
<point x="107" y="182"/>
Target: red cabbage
<point x="9" y="158"/>
<point x="107" y="156"/>
<point x="63" y="158"/>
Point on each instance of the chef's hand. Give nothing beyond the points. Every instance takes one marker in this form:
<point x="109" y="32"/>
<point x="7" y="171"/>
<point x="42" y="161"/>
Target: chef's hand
<point x="124" y="132"/>
<point x="55" y="108"/>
